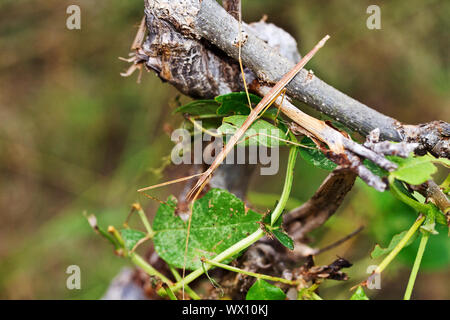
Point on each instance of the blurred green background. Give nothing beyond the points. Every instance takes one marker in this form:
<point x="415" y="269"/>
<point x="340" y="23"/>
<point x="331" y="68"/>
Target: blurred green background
<point x="75" y="136"/>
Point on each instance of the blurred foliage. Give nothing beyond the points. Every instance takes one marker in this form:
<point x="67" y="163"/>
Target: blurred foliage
<point x="77" y="137"/>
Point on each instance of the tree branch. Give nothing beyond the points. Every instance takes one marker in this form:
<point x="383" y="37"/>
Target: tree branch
<point x="208" y="20"/>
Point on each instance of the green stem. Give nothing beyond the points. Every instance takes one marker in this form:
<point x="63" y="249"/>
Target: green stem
<point x="252" y="274"/>
<point x="141" y="263"/>
<point x="113" y="231"/>
<point x="188" y="289"/>
<point x="144" y="220"/>
<point x="308" y="293"/>
<point x="315" y="296"/>
<point x="420" y="207"/>
<point x="231" y="251"/>
<point x="415" y="269"/>
<point x="400" y="245"/>
<point x="92" y="220"/>
<point x="170" y="293"/>
<point x="287" y="183"/>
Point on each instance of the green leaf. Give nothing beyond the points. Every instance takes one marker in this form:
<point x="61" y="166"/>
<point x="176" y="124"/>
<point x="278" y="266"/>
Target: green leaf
<point x="236" y="103"/>
<point x="378" y="251"/>
<point x="315" y="156"/>
<point x="219" y="220"/>
<point x="414" y="170"/>
<point x="359" y="294"/>
<point x="284" y="239"/>
<point x="417" y="169"/>
<point x="260" y="132"/>
<point x="262" y="290"/>
<point x="131" y="237"/>
<point x="199" y="107"/>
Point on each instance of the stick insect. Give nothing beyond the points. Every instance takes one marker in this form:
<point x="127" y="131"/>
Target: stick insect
<point x="266" y="102"/>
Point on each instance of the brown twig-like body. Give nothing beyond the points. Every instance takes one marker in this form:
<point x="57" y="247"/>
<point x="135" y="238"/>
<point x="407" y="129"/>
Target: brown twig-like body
<point x="266" y="101"/>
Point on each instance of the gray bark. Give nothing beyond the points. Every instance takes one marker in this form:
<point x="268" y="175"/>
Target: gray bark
<point x="206" y="19"/>
<point x="210" y="21"/>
